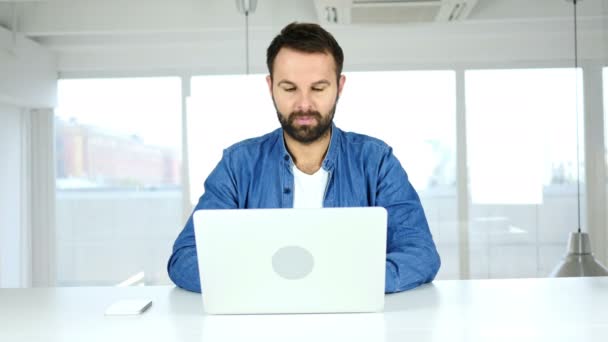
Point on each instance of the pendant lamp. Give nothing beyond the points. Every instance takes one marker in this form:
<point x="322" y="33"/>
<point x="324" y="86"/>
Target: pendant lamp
<point x="246" y="7"/>
<point x="578" y="261"/>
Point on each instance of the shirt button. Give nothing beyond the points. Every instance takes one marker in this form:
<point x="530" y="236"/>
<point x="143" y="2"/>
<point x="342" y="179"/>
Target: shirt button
<point x="286" y="157"/>
<point x="287" y="191"/>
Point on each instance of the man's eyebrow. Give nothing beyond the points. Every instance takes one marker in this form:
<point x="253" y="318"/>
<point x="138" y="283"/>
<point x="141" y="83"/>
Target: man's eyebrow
<point x="315" y="84"/>
<point x="321" y="82"/>
<point x="285" y="82"/>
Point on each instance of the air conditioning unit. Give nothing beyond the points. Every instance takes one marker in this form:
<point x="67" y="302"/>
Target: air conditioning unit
<point x="391" y="12"/>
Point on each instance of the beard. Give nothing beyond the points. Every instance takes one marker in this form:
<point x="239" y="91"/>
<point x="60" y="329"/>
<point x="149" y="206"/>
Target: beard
<point x="307" y="134"/>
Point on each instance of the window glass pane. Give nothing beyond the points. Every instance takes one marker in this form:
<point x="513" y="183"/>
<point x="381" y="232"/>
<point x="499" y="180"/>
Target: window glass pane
<point x="118" y="145"/>
<point x="521" y="142"/>
<point x="414" y="112"/>
<point x="223" y="110"/>
<point x="118" y="133"/>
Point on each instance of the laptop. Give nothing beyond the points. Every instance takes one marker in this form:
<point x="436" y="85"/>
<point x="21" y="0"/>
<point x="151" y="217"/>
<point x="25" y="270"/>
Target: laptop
<point x="271" y="261"/>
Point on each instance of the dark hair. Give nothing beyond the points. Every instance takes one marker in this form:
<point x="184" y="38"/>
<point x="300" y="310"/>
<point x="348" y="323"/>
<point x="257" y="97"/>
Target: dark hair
<point x="305" y="37"/>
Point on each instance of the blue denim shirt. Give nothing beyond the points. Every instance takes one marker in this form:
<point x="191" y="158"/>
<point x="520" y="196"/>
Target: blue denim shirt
<point x="257" y="173"/>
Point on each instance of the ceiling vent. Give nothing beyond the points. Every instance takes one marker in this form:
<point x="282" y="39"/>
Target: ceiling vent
<point x="392" y="12"/>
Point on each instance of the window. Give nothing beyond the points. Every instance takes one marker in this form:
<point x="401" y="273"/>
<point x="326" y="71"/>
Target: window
<point x="223" y="110"/>
<point x="414" y="112"/>
<point x="521" y="127"/>
<point x="118" y="147"/>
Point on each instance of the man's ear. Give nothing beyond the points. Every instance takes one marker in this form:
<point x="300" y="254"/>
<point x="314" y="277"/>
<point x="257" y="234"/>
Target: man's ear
<point x="341" y="82"/>
<point x="269" y="81"/>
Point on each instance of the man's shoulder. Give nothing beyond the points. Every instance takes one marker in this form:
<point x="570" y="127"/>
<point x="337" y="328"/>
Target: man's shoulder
<point x="363" y="141"/>
<point x="256" y="144"/>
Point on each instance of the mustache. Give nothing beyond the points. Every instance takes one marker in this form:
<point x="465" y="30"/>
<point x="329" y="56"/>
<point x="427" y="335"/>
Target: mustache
<point x="297" y="114"/>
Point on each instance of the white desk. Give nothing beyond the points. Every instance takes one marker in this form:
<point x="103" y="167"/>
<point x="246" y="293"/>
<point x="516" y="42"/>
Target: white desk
<point x="573" y="309"/>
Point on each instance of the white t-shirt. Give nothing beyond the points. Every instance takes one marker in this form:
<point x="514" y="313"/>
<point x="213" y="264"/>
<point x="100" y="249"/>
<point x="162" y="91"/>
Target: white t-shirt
<point x="309" y="189"/>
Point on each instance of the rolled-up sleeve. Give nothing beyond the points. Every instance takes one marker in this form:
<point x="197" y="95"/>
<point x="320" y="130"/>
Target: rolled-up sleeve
<point x="411" y="255"/>
<point x="220" y="193"/>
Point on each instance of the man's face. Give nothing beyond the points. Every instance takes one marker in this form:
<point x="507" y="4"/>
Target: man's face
<point x="305" y="91"/>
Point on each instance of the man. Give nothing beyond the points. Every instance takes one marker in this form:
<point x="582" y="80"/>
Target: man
<point x="309" y="162"/>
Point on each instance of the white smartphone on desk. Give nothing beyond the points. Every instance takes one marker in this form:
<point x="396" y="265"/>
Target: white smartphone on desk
<point x="128" y="307"/>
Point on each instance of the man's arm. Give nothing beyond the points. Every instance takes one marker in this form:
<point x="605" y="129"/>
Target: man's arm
<point x="411" y="255"/>
<point x="220" y="193"/>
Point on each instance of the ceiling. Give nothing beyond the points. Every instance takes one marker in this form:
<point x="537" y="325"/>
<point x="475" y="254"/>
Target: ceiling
<point x="39" y="18"/>
<point x="126" y="34"/>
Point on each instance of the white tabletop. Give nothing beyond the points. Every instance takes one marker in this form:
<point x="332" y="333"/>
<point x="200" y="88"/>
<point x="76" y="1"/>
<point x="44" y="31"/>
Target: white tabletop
<point x="573" y="309"/>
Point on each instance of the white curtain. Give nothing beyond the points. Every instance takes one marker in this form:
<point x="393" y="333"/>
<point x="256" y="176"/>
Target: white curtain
<point x="38" y="187"/>
<point x="10" y="196"/>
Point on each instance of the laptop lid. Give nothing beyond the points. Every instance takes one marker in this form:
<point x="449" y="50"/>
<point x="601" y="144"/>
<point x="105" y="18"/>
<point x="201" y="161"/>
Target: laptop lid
<point x="259" y="261"/>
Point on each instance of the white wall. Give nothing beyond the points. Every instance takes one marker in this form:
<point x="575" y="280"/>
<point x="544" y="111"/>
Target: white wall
<point x="28" y="79"/>
<point x="10" y="196"/>
<point x="28" y="75"/>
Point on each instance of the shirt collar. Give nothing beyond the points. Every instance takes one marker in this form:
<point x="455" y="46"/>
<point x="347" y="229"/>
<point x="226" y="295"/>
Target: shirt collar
<point x="332" y="151"/>
<point x="330" y="156"/>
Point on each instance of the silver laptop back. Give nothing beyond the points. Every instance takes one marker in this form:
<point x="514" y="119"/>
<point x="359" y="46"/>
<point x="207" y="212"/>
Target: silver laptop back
<point x="261" y="261"/>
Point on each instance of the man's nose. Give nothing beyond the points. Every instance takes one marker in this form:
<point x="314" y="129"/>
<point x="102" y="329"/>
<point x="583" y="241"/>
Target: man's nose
<point x="304" y="102"/>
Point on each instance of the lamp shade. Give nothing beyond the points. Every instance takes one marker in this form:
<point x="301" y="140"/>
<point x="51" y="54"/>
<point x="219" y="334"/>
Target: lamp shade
<point x="579" y="261"/>
<point x="246" y="6"/>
